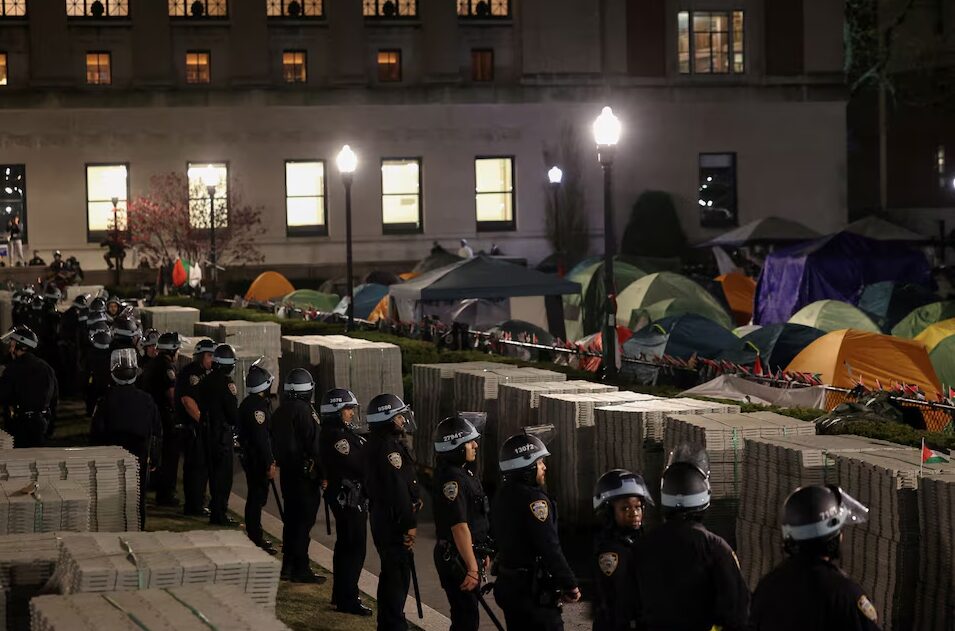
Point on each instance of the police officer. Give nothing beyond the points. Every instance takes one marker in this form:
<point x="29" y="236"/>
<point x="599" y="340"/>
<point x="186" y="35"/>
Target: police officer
<point x="461" y="515"/>
<point x="159" y="380"/>
<point x="534" y="578"/>
<point x="150" y="350"/>
<point x="620" y="499"/>
<point x="126" y="332"/>
<point x="28" y="389"/>
<point x="342" y="454"/>
<point x="394" y="501"/>
<point x="295" y="428"/>
<point x="255" y="421"/>
<point x="98" y="379"/>
<point x="687" y="576"/>
<point x="67" y="337"/>
<point x="49" y="322"/>
<point x="128" y="417"/>
<point x="808" y="590"/>
<point x="195" y="476"/>
<point x="220" y="418"/>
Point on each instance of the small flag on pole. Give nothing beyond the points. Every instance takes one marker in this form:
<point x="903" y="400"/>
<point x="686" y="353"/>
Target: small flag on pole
<point x="931" y="456"/>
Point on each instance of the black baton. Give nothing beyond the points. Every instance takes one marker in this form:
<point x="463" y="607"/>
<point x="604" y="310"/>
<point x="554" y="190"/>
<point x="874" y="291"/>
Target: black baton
<point x="487" y="608"/>
<point x="278" y="500"/>
<point x="414" y="584"/>
<point x="328" y="518"/>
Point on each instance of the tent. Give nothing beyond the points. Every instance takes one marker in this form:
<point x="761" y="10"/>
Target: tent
<point x="367" y="297"/>
<point x="935" y="333"/>
<point x="939" y="340"/>
<point x="668" y="294"/>
<point x="583" y="312"/>
<point x="832" y="315"/>
<point x="381" y="277"/>
<point x="593" y="343"/>
<point x="919" y="319"/>
<point x="738" y="388"/>
<point x="845" y="357"/>
<point x="778" y="344"/>
<point x="835" y="267"/>
<point x="681" y="337"/>
<point x="876" y="228"/>
<point x="889" y="301"/>
<point x="480" y="312"/>
<point x="438" y="258"/>
<point x="763" y="231"/>
<point x="268" y="286"/>
<point x="740" y="293"/>
<point x="746" y="329"/>
<point x="311" y="299"/>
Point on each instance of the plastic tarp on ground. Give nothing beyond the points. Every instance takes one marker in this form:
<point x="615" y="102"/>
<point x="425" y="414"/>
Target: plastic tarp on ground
<point x="268" y="286"/>
<point x="761" y="231"/>
<point x="583" y="311"/>
<point x="832" y="315"/>
<point x="844" y="357"/>
<point x="888" y="302"/>
<point x="921" y="318"/>
<point x="740" y="292"/>
<point x="311" y="299"/>
<point x="669" y="294"/>
<point x="836" y="267"/>
<point x="737" y="388"/>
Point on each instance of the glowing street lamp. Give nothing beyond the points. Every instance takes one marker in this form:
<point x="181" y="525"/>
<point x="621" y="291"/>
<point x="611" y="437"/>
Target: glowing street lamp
<point x="607" y="131"/>
<point x="347" y="162"/>
<point x="555" y="175"/>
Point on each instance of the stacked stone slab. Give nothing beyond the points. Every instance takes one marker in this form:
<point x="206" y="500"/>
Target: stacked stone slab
<point x="6" y="440"/>
<point x="192" y="608"/>
<point x="182" y="320"/>
<point x="935" y="593"/>
<point x="27" y="562"/>
<point x="45" y="505"/>
<point x="251" y="341"/>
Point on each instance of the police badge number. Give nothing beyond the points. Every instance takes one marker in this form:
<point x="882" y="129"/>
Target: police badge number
<point x="259" y="416"/>
<point x="607" y="562"/>
<point x="394" y="458"/>
<point x="540" y="510"/>
<point x="450" y="491"/>
<point x="193" y="380"/>
<point x="342" y="447"/>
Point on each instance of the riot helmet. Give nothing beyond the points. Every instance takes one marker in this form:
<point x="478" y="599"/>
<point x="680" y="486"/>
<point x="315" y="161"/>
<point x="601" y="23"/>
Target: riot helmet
<point x="299" y="384"/>
<point x="383" y="409"/>
<point x="520" y="453"/>
<point x="685" y="488"/>
<point x="620" y="483"/>
<point x="150" y="338"/>
<point x="169" y="342"/>
<point x="223" y="358"/>
<point x="258" y="379"/>
<point x="101" y="339"/>
<point x="123" y="366"/>
<point x="813" y="518"/>
<point x="23" y="338"/>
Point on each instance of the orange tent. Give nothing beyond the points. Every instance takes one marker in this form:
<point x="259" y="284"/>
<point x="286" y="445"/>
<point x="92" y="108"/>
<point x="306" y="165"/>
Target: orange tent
<point x="844" y="357"/>
<point x="269" y="285"/>
<point x="740" y="292"/>
<point x="408" y="275"/>
<point x="381" y="310"/>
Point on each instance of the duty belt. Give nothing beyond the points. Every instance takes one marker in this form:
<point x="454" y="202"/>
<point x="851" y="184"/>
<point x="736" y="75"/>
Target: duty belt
<point x="17" y="413"/>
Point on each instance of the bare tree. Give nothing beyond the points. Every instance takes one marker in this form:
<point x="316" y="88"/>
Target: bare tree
<point x="573" y="238"/>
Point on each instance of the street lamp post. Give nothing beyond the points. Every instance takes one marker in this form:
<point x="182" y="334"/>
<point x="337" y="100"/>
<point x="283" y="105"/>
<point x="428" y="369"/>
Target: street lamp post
<point x="210" y="178"/>
<point x="555" y="175"/>
<point x="607" y="134"/>
<point x="347" y="163"/>
<point x="115" y="201"/>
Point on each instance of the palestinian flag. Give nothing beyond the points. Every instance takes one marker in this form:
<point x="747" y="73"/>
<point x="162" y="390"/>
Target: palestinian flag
<point x="929" y="456"/>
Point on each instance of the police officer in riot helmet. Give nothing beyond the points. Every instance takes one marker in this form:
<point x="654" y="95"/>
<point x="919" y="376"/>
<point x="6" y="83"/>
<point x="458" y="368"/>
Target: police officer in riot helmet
<point x="98" y="379"/>
<point x="534" y="578"/>
<point x="808" y="590"/>
<point x="128" y="417"/>
<point x="195" y="475"/>
<point x="295" y="429"/>
<point x="394" y="501"/>
<point x="461" y="519"/>
<point x="28" y="389"/>
<point x="341" y="450"/>
<point x="158" y="378"/>
<point x="67" y="336"/>
<point x="255" y="422"/>
<point x="126" y="332"/>
<point x="149" y="345"/>
<point x="687" y="576"/>
<point x="218" y="400"/>
<point x="620" y="501"/>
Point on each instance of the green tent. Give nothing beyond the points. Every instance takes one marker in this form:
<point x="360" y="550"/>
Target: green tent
<point x="834" y="315"/>
<point x="311" y="299"/>
<point x="916" y="322"/>
<point x="667" y="294"/>
<point x="943" y="360"/>
<point x="582" y="312"/>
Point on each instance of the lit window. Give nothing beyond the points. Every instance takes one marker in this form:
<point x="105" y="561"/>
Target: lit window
<point x="494" y="193"/>
<point x="482" y="65"/>
<point x="97" y="8"/>
<point x="940" y="165"/>
<point x="389" y="65"/>
<point x="13" y="196"/>
<point x="293" y="66"/>
<point x="484" y="8"/>
<point x="98" y="69"/>
<point x="401" y="195"/>
<point x="295" y="8"/>
<point x="305" y="197"/>
<point x="717" y="190"/>
<point x="198" y="8"/>
<point x="390" y="8"/>
<point x="13" y="8"/>
<point x="198" y="67"/>
<point x="199" y="195"/>
<point x="103" y="183"/>
<point x="711" y="42"/>
<point x="3" y="69"/>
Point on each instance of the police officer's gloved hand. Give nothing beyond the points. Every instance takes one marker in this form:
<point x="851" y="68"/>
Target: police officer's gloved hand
<point x="571" y="596"/>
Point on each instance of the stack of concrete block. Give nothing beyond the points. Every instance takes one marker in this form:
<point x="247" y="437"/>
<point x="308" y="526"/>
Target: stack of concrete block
<point x="251" y="340"/>
<point x="182" y="320"/>
<point x="934" y="604"/>
<point x="27" y="562"/>
<point x="44" y="505"/>
<point x="6" y="440"/>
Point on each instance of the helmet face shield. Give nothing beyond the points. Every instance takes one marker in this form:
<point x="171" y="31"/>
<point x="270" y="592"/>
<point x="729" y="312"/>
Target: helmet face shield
<point x="853" y="511"/>
<point x="123" y="358"/>
<point x="409" y="426"/>
<point x="692" y="455"/>
<point x="357" y="423"/>
<point x="477" y="419"/>
<point x="547" y="434"/>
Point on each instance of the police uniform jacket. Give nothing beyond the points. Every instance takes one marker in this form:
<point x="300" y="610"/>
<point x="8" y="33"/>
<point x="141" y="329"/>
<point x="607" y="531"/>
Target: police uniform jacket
<point x="187" y="385"/>
<point x="614" y="605"/>
<point x="295" y="428"/>
<point x="128" y="417"/>
<point x="393" y="491"/>
<point x="220" y="408"/>
<point x="98" y="367"/>
<point x="68" y="324"/>
<point x="29" y="385"/>
<point x="459" y="499"/>
<point x="525" y="530"/>
<point x="342" y="455"/>
<point x="811" y="593"/>
<point x="254" y="424"/>
<point x="688" y="578"/>
<point x="158" y="378"/>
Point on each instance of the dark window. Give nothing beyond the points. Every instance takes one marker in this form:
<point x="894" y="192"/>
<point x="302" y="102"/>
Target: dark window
<point x="494" y="193"/>
<point x="98" y="68"/>
<point x="13" y="8"/>
<point x="482" y="65"/>
<point x="389" y="65"/>
<point x="295" y="8"/>
<point x="390" y="8"/>
<point x="13" y="196"/>
<point x="484" y="8"/>
<point x="198" y="67"/>
<point x="710" y="42"/>
<point x="401" y="195"/>
<point x="717" y="193"/>
<point x="97" y="8"/>
<point x="199" y="8"/>
<point x="294" y="66"/>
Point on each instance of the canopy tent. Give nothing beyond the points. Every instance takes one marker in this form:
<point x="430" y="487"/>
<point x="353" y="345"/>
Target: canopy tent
<point x="845" y="357"/>
<point x="583" y="311"/>
<point x="480" y="312"/>
<point x="835" y="267"/>
<point x="763" y="231"/>
<point x="888" y="302"/>
<point x="668" y="294"/>
<point x="876" y="228"/>
<point x="311" y="299"/>
<point x="921" y="318"/>
<point x="777" y="344"/>
<point x="740" y="293"/>
<point x="832" y="315"/>
<point x="438" y="258"/>
<point x="367" y="297"/>
<point x="268" y="286"/>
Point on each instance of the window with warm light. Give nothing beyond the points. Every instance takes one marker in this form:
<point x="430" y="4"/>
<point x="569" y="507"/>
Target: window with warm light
<point x="3" y="69"/>
<point x="484" y="8"/>
<point x="98" y="68"/>
<point x="97" y="8"/>
<point x="13" y="8"/>
<point x="482" y="65"/>
<point x="103" y="183"/>
<point x="390" y="8"/>
<point x="199" y="8"/>
<point x="389" y="66"/>
<point x="305" y="197"/>
<point x="717" y="190"/>
<point x="294" y="8"/>
<point x="494" y="193"/>
<point x="294" y="68"/>
<point x="13" y="196"/>
<point x="199" y="195"/>
<point x="198" y="67"/>
<point x="711" y="42"/>
<point x="401" y="195"/>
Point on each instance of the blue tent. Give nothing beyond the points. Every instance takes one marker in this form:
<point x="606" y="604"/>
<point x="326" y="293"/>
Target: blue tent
<point x="776" y="345"/>
<point x="367" y="297"/>
<point x="836" y="267"/>
<point x="888" y="302"/>
<point x="679" y="336"/>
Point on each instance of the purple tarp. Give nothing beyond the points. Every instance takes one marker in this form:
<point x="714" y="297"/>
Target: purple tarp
<point x="836" y="267"/>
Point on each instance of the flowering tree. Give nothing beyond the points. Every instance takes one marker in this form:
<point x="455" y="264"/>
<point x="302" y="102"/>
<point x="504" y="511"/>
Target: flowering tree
<point x="170" y="221"/>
